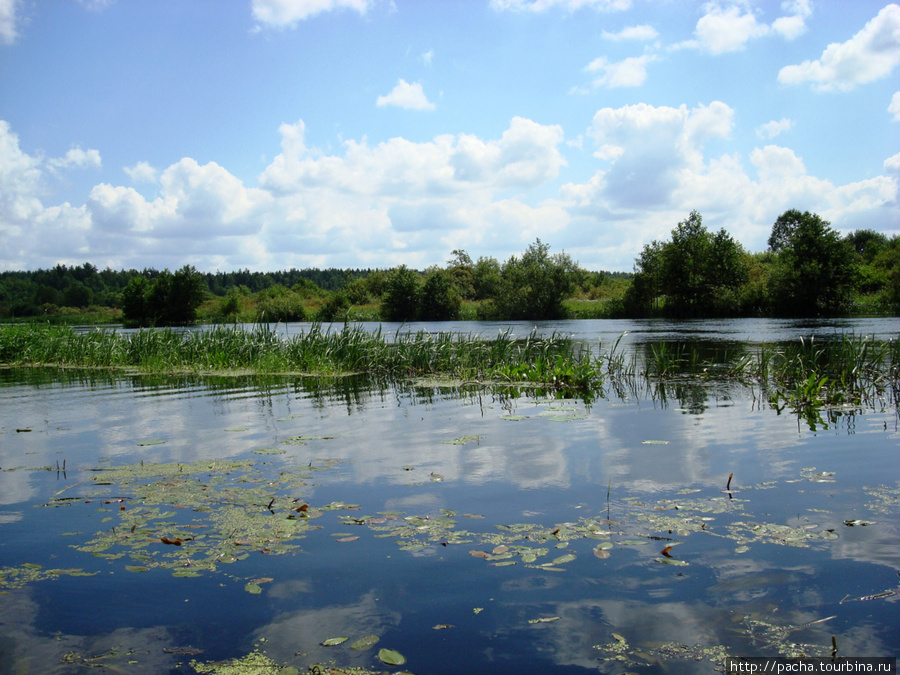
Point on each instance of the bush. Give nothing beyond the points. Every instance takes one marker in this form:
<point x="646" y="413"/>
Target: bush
<point x="400" y="301"/>
<point x="439" y="299"/>
<point x="278" y="304"/>
<point x="334" y="308"/>
<point x="534" y="286"/>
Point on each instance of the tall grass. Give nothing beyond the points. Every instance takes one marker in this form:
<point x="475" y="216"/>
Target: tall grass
<point x="803" y="374"/>
<point x="552" y="359"/>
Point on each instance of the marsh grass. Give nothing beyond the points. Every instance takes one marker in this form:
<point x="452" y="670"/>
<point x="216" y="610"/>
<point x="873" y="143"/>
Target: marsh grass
<point x="549" y="359"/>
<point x="804" y="375"/>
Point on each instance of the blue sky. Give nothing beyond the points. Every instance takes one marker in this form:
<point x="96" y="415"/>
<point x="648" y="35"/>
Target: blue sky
<point x="270" y="134"/>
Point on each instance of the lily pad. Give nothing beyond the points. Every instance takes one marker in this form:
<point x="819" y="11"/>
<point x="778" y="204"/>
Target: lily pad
<point x="391" y="657"/>
<point x="333" y="642"/>
<point x="365" y="642"/>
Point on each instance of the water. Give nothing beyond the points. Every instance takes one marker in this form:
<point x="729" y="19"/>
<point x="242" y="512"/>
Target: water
<point x="403" y="482"/>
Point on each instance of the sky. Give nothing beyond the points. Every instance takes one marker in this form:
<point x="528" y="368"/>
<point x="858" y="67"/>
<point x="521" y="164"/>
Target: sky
<point x="276" y="134"/>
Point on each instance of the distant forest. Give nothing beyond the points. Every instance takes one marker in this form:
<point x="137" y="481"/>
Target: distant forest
<point x="808" y="270"/>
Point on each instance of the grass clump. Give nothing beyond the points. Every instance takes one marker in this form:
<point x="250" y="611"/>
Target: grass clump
<point x="552" y="359"/>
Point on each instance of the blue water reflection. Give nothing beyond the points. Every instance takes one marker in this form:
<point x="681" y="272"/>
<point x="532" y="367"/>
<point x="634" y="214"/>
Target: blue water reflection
<point x="643" y="472"/>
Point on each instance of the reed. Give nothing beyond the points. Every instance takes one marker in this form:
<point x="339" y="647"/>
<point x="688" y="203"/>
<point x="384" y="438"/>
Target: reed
<point x="803" y="375"/>
<point x="552" y="359"/>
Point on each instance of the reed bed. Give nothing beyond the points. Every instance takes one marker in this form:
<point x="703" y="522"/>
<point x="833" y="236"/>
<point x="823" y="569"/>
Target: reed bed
<point x="810" y="372"/>
<point x="552" y="359"/>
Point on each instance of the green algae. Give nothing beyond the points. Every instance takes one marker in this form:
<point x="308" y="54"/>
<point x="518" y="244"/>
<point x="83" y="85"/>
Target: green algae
<point x="254" y="663"/>
<point x="28" y="573"/>
<point x="193" y="517"/>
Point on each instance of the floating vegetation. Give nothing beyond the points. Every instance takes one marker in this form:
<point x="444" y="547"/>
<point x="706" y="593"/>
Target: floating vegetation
<point x="252" y="664"/>
<point x="464" y="440"/>
<point x="884" y="499"/>
<point x="194" y="517"/>
<point x="28" y="573"/>
<point x="391" y="657"/>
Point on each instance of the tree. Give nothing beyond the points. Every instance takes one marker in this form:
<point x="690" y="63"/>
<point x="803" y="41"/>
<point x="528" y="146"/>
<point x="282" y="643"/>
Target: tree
<point x="439" y="300"/>
<point x="815" y="272"/>
<point x="462" y="273"/>
<point x="698" y="272"/>
<point x="535" y="285"/>
<point x="642" y="295"/>
<point x="135" y="297"/>
<point x="170" y="299"/>
<point x="485" y="278"/>
<point x="400" y="301"/>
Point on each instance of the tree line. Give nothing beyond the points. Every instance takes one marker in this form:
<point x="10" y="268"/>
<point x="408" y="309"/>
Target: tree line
<point x="808" y="270"/>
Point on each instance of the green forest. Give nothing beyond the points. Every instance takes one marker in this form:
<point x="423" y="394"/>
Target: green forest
<point x="807" y="270"/>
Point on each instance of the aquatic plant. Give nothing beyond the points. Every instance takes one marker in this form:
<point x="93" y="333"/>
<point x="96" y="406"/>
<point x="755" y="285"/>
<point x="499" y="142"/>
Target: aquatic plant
<point x="804" y="376"/>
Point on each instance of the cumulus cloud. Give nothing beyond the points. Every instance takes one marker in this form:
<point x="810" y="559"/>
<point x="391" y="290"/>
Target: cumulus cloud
<point x="76" y="158"/>
<point x="286" y="13"/>
<point x="195" y="202"/>
<point x="727" y="30"/>
<point x="774" y="128"/>
<point x="869" y="55"/>
<point x="794" y="25"/>
<point x="643" y="33"/>
<point x="892" y="165"/>
<point x="649" y="146"/>
<point x="399" y="201"/>
<point x="8" y="33"/>
<point x="571" y="5"/>
<point x="406" y="95"/>
<point x="631" y="72"/>
<point x="141" y="172"/>
<point x="655" y="170"/>
<point x="894" y="107"/>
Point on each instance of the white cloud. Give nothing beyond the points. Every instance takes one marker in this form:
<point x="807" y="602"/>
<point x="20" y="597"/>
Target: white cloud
<point x="892" y="165"/>
<point x="8" y="33"/>
<point x="141" y="172"/>
<point x="720" y="31"/>
<point x="650" y="147"/>
<point x="655" y="171"/>
<point x="728" y="29"/>
<point x="398" y="201"/>
<point x="96" y="5"/>
<point x="794" y="25"/>
<point x="644" y="33"/>
<point x="427" y="57"/>
<point x="278" y="13"/>
<point x="76" y="158"/>
<point x="195" y="202"/>
<point x="571" y="5"/>
<point x="406" y="95"/>
<point x="894" y="107"/>
<point x="774" y="128"/>
<point x="871" y="54"/>
<point x="631" y="72"/>
<point x="20" y="181"/>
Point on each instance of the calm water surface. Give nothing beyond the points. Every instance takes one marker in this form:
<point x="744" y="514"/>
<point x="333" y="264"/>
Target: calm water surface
<point x="604" y="538"/>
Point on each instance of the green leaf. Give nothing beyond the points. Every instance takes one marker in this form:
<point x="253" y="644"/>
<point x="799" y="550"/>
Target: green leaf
<point x="391" y="658"/>
<point x="364" y="643"/>
<point x="332" y="642"/>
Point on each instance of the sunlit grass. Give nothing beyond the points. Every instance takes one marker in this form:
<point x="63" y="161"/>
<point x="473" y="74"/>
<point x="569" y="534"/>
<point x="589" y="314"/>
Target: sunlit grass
<point x="803" y="375"/>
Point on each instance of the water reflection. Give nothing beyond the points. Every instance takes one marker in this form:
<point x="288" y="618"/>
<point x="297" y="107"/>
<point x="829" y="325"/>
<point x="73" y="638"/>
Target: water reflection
<point x="642" y="465"/>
